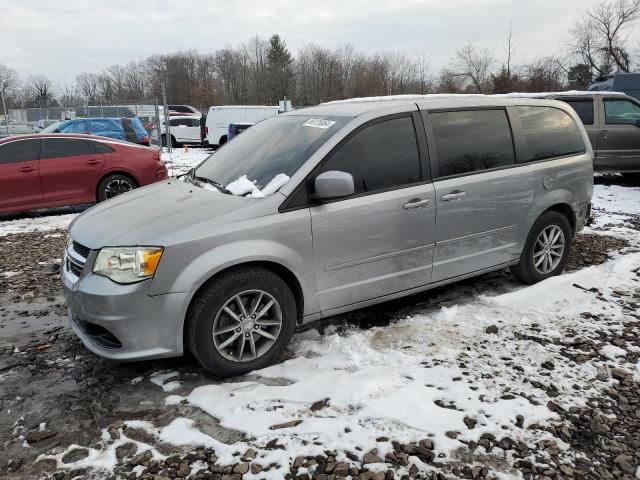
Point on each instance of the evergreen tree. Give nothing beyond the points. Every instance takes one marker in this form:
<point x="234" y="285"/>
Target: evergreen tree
<point x="280" y="67"/>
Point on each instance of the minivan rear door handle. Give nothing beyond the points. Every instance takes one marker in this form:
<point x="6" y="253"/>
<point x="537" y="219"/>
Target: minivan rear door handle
<point x="27" y="169"/>
<point x="603" y="133"/>
<point x="455" y="195"/>
<point x="416" y="203"/>
<point x="93" y="161"/>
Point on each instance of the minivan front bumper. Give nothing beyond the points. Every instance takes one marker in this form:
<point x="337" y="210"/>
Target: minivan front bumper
<point x="122" y="322"/>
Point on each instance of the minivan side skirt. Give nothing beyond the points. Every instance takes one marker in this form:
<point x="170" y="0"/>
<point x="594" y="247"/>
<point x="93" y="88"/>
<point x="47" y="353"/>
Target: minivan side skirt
<point x="403" y="293"/>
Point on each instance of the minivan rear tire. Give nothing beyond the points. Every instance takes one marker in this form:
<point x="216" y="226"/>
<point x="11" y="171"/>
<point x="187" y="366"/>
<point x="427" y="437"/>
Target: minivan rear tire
<point x="208" y="305"/>
<point x="525" y="270"/>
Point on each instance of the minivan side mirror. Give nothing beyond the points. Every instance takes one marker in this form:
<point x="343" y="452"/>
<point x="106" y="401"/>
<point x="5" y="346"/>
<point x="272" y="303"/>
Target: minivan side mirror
<point x="637" y="122"/>
<point x="333" y="184"/>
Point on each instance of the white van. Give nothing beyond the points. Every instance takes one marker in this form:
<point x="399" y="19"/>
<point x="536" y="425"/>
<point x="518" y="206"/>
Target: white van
<point x="219" y="118"/>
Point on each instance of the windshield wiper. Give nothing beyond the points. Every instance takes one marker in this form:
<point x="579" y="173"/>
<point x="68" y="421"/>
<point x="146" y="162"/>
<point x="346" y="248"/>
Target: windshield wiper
<point x="218" y="185"/>
<point x="186" y="174"/>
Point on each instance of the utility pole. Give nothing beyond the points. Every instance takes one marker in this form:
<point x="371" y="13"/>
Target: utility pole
<point x="6" y="117"/>
<point x="167" y="127"/>
<point x="158" y="126"/>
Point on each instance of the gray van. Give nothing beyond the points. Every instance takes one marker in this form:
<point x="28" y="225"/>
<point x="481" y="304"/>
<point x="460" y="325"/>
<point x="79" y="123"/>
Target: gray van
<point x="325" y="210"/>
<point x="612" y="121"/>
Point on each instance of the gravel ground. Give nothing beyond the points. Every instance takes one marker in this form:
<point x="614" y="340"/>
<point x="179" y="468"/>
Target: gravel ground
<point x="65" y="395"/>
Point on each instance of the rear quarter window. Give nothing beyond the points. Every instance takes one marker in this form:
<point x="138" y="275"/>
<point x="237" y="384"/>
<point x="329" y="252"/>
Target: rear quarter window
<point x="548" y="132"/>
<point x="471" y="140"/>
<point x="584" y="109"/>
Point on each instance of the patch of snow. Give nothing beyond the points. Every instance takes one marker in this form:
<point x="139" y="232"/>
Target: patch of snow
<point x="272" y="187"/>
<point x="10" y="274"/>
<point x="573" y="93"/>
<point x="617" y="199"/>
<point x="160" y="379"/>
<point x="612" y="352"/>
<point x="36" y="224"/>
<point x="241" y="186"/>
<point x="179" y="161"/>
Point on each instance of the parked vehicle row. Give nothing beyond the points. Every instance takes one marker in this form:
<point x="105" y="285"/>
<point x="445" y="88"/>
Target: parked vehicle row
<point x="52" y="170"/>
<point x="219" y="118"/>
<point x="357" y="203"/>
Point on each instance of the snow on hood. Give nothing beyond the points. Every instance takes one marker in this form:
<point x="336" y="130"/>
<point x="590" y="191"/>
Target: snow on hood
<point x="243" y="186"/>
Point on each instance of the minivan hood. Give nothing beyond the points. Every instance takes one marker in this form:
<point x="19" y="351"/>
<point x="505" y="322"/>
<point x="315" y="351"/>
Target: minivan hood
<point x="145" y="215"/>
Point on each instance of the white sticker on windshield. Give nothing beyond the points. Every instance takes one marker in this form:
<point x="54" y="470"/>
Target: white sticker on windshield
<point x="318" y="123"/>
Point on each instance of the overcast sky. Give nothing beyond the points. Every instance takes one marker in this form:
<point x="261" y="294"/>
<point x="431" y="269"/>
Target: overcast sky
<point x="63" y="38"/>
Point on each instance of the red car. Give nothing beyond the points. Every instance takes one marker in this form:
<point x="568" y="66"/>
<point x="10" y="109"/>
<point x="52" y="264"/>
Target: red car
<point x="42" y="171"/>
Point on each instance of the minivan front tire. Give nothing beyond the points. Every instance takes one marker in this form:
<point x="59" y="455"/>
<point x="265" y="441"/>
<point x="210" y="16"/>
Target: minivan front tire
<point x="546" y="251"/>
<point x="241" y="321"/>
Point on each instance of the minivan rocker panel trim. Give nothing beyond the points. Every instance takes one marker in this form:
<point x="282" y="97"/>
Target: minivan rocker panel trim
<point x="385" y="241"/>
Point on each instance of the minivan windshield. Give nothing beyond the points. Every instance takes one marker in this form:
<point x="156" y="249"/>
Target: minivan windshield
<point x="276" y="145"/>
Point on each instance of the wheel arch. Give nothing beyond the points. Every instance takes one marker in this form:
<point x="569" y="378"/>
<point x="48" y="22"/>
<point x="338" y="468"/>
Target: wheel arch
<point x="561" y="201"/>
<point x="119" y="171"/>
<point x="282" y="271"/>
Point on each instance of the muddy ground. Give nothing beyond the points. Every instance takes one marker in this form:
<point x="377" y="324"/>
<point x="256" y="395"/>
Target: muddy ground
<point x="62" y="394"/>
<point x="49" y="378"/>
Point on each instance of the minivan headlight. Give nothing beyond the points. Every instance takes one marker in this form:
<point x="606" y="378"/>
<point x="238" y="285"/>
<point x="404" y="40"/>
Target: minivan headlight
<point x="127" y="264"/>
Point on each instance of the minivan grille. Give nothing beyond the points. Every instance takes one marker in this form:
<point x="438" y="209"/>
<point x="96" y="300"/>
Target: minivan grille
<point x="73" y="267"/>
<point x="81" y="249"/>
<point x="76" y="258"/>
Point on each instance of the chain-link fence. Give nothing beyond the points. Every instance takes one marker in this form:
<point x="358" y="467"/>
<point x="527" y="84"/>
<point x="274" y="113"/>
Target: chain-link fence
<point x="35" y="119"/>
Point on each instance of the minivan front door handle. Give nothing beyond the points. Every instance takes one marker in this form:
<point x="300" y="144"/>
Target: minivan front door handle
<point x="455" y="195"/>
<point x="603" y="134"/>
<point x="415" y="203"/>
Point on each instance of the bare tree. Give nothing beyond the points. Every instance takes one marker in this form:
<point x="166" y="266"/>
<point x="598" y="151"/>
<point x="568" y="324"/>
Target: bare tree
<point x="510" y="49"/>
<point x="88" y="85"/>
<point x="475" y="65"/>
<point x="601" y="35"/>
<point x="8" y="79"/>
<point x="68" y="94"/>
<point x="41" y="89"/>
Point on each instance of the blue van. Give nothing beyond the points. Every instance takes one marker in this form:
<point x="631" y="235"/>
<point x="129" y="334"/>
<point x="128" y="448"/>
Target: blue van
<point x="628" y="83"/>
<point x="119" y="128"/>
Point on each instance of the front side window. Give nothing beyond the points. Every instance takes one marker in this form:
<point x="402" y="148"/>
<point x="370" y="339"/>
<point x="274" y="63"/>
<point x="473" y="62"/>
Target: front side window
<point x="548" y="132"/>
<point x="621" y="112"/>
<point x="471" y="140"/>
<point x="20" y="151"/>
<point x="381" y="156"/>
<point x="65" y="147"/>
<point x="584" y="109"/>
<point x="195" y="122"/>
<point x="279" y="144"/>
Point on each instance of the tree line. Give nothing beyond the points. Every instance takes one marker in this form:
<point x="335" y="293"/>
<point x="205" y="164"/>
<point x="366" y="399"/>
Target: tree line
<point x="263" y="71"/>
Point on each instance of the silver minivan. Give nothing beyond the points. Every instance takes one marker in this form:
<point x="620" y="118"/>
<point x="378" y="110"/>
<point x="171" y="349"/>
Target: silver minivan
<point x="325" y="210"/>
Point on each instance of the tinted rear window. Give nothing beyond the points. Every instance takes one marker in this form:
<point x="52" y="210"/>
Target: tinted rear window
<point x="548" y="132"/>
<point x="584" y="109"/>
<point x="20" y="151"/>
<point x="381" y="156"/>
<point x="471" y="140"/>
<point x="65" y="147"/>
<point x="101" y="147"/>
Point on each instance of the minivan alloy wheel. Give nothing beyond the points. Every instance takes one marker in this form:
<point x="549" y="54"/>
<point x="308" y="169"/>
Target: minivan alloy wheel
<point x="247" y="326"/>
<point x="548" y="249"/>
<point x="117" y="187"/>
